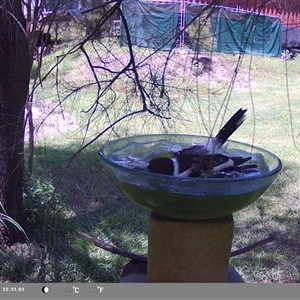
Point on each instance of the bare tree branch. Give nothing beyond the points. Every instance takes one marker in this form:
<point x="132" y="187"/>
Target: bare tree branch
<point x="143" y="258"/>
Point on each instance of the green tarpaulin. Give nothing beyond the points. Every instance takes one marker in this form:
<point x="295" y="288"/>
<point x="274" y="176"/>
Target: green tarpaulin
<point x="199" y="29"/>
<point x="247" y="33"/>
<point x="156" y="25"/>
<point x="150" y="24"/>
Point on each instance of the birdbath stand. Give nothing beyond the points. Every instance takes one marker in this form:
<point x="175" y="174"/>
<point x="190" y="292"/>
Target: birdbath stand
<point x="188" y="250"/>
<point x="191" y="225"/>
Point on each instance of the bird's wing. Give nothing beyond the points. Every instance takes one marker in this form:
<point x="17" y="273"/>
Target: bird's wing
<point x="187" y="156"/>
<point x="215" y="163"/>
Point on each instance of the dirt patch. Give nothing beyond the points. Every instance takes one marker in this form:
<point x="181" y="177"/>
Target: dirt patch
<point x="50" y="121"/>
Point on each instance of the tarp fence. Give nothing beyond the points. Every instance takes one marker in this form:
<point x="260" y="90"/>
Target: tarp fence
<point x="156" y="25"/>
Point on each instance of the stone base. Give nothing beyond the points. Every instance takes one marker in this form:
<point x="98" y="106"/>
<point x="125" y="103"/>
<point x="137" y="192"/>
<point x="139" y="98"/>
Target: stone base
<point x="136" y="271"/>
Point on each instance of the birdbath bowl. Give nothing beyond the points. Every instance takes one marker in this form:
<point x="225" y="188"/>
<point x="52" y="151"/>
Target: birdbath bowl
<point x="185" y="198"/>
<point x="191" y="226"/>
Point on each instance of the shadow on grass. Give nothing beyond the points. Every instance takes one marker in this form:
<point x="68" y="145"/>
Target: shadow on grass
<point x="276" y="212"/>
<point x="64" y="201"/>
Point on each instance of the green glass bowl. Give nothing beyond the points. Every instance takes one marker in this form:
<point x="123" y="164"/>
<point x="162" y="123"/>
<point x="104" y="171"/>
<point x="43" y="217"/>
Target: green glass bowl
<point x="187" y="198"/>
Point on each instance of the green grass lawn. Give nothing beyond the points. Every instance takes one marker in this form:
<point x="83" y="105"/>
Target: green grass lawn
<point x="65" y="196"/>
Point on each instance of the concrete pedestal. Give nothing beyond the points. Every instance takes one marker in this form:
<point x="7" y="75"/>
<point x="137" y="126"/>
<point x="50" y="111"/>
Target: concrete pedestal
<point x="188" y="251"/>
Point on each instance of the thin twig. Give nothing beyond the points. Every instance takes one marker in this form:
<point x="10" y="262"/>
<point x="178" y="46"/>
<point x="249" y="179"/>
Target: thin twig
<point x="270" y="238"/>
<point x="113" y="249"/>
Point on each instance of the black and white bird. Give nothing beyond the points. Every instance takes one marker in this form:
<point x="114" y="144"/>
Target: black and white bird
<point x="207" y="159"/>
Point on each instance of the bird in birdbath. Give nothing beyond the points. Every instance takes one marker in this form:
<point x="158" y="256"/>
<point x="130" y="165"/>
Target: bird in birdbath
<point x="207" y="159"/>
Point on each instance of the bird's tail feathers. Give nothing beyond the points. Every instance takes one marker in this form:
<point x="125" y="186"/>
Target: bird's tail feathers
<point x="231" y="126"/>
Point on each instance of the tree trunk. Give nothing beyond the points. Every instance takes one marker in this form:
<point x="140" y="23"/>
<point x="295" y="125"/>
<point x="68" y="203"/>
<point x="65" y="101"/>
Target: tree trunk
<point x="15" y="66"/>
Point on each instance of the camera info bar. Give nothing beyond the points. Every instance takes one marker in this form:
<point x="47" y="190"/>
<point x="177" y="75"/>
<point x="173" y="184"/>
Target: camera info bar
<point x="11" y="291"/>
